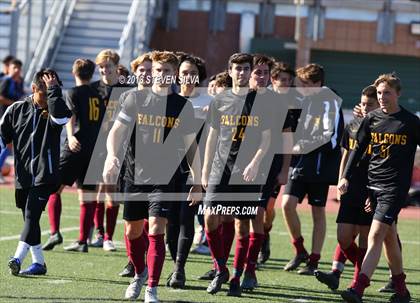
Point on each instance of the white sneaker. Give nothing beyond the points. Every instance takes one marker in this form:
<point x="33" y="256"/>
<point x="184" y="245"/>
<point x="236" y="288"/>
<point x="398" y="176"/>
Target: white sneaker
<point x="109" y="246"/>
<point x="199" y="236"/>
<point x="150" y="296"/>
<point x="133" y="290"/>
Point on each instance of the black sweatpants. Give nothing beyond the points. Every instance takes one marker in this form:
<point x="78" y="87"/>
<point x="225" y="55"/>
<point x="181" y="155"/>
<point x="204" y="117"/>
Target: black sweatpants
<point x="32" y="202"/>
<point x="180" y="228"/>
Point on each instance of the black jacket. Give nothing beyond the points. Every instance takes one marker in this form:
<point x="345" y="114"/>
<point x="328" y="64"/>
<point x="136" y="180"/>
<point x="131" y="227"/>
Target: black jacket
<point x="319" y="132"/>
<point x="35" y="133"/>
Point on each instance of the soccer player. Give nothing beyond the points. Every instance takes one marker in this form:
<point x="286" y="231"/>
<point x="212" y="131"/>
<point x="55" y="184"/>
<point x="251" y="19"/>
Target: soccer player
<point x="282" y="76"/>
<point x="180" y="229"/>
<point x="315" y="171"/>
<point x="221" y="83"/>
<point x="394" y="135"/>
<point x="160" y="116"/>
<point x="107" y="62"/>
<point x="6" y="62"/>
<point x="352" y="219"/>
<point x="238" y="117"/>
<point x="11" y="90"/>
<point x="34" y="126"/>
<point x="275" y="169"/>
<point x="141" y="67"/>
<point x="82" y="130"/>
<point x="211" y="86"/>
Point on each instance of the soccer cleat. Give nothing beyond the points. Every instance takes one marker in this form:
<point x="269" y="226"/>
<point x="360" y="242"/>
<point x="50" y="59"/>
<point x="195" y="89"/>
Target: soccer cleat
<point x="98" y="242"/>
<point x="14" y="266"/>
<point x="128" y="270"/>
<point x="296" y="261"/>
<point x="388" y="287"/>
<point x="265" y="252"/>
<point x="177" y="279"/>
<point x="133" y="290"/>
<point x="216" y="284"/>
<point x="308" y="270"/>
<point x="396" y="298"/>
<point x="249" y="282"/>
<point x="201" y="250"/>
<point x="235" y="289"/>
<point x="108" y="245"/>
<point x="77" y="246"/>
<point x="52" y="241"/>
<point x="209" y="275"/>
<point x="329" y="278"/>
<point x="35" y="269"/>
<point x="350" y="296"/>
<point x="150" y="296"/>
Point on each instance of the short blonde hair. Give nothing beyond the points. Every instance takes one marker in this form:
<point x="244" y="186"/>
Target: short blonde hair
<point x="140" y="60"/>
<point x="107" y="54"/>
<point x="165" y="57"/>
<point x="391" y="79"/>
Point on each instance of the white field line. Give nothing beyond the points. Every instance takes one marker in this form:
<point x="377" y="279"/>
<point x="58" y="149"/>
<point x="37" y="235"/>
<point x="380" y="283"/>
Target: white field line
<point x="46" y="232"/>
<point x="281" y="233"/>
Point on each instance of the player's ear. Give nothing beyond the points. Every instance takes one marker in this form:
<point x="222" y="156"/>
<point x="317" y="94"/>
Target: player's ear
<point x="34" y="88"/>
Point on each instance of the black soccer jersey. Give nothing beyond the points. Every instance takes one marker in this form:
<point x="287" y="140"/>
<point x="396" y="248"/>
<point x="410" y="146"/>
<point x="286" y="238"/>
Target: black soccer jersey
<point x="348" y="142"/>
<point x="161" y="123"/>
<point x="394" y="139"/>
<point x="110" y="95"/>
<point x="89" y="110"/>
<point x="240" y="121"/>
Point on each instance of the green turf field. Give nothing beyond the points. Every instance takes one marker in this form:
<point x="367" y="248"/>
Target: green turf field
<point x="93" y="277"/>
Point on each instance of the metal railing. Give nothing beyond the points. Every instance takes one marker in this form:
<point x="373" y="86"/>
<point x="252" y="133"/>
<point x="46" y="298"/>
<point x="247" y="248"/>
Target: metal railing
<point x="137" y="32"/>
<point x="51" y="36"/>
<point x="21" y="18"/>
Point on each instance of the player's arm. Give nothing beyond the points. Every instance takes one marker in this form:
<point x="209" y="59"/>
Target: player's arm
<point x="209" y="155"/>
<point x="251" y="171"/>
<point x="3" y="92"/>
<point x="6" y="128"/>
<point x="363" y="138"/>
<point x="117" y="137"/>
<point x="343" y="163"/>
<point x="287" y="157"/>
<point x="194" y="162"/>
<point x="60" y="113"/>
<point x="74" y="144"/>
<point x="5" y="101"/>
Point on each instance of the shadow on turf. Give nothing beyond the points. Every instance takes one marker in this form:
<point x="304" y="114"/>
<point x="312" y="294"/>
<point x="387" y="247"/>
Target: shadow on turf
<point x="67" y="278"/>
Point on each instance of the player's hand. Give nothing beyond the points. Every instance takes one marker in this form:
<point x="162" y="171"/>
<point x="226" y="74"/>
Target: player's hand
<point x="357" y="111"/>
<point x="250" y="172"/>
<point x="282" y="177"/>
<point x="204" y="181"/>
<point x="368" y="206"/>
<point x="338" y="195"/>
<point x="343" y="186"/>
<point x="206" y="108"/>
<point x="74" y="144"/>
<point x="111" y="169"/>
<point x="195" y="195"/>
<point x="50" y="80"/>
